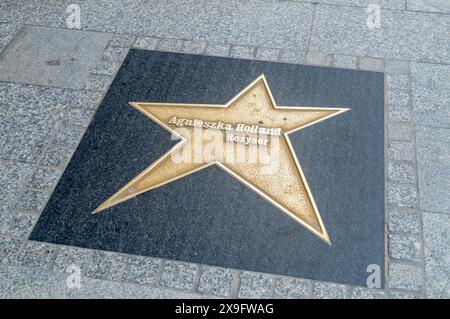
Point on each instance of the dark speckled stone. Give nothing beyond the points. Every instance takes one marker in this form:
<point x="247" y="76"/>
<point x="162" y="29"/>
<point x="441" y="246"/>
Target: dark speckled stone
<point x="209" y="217"/>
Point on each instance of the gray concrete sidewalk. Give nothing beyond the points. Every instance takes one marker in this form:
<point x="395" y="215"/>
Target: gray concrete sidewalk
<point x="52" y="78"/>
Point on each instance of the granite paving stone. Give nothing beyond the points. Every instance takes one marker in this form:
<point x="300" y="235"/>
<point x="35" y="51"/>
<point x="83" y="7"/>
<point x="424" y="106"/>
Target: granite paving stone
<point x="122" y="40"/>
<point x="398" y="131"/>
<point x="405" y="247"/>
<point x="36" y="255"/>
<point x="256" y="285"/>
<point x="345" y="61"/>
<point x="403" y="35"/>
<point x="400" y="151"/>
<point x="13" y="177"/>
<point x="251" y="23"/>
<point x="396" y="67"/>
<point x="218" y="49"/>
<point x="319" y="59"/>
<point x="68" y="136"/>
<point x="146" y="43"/>
<point x="405" y="276"/>
<point x="431" y="93"/>
<point x="115" y="53"/>
<point x="97" y="82"/>
<point x="433" y="162"/>
<point x="387" y="4"/>
<point x="69" y="257"/>
<point x="142" y="270"/>
<point x="403" y="221"/>
<point x="242" y="52"/>
<point x="194" y="47"/>
<point x="106" y="67"/>
<point x="17" y="224"/>
<point x="215" y="281"/>
<point x="105" y="265"/>
<point x="32" y="200"/>
<point x="402" y="172"/>
<point x="267" y="54"/>
<point x="63" y="62"/>
<point x="441" y="6"/>
<point x="371" y="64"/>
<point x="170" y="45"/>
<point x="56" y="156"/>
<point x="8" y="249"/>
<point x="367" y="293"/>
<point x="293" y="56"/>
<point x="324" y="290"/>
<point x="437" y="254"/>
<point x="404" y="195"/>
<point x="292" y="288"/>
<point x="178" y="275"/>
<point x="44" y="178"/>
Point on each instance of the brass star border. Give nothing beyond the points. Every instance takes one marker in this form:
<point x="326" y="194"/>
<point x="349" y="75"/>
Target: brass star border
<point x="287" y="189"/>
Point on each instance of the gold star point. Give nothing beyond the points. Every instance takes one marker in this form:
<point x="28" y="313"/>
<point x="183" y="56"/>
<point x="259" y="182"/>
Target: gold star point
<point x="254" y="106"/>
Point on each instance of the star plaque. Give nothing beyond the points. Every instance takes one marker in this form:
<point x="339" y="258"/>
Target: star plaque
<point x="251" y="165"/>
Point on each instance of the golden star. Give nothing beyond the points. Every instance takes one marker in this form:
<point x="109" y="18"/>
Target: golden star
<point x="249" y="121"/>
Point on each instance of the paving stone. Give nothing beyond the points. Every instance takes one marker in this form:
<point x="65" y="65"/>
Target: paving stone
<point x="437" y="254"/>
<point x="400" y="151"/>
<point x="8" y="249"/>
<point x="69" y="257"/>
<point x="267" y="54"/>
<point x="216" y="281"/>
<point x="97" y="82"/>
<point x="398" y="82"/>
<point x="368" y="293"/>
<point x="146" y="43"/>
<point x="178" y="275"/>
<point x="399" y="131"/>
<point x="399" y="294"/>
<point x="345" y="61"/>
<point x="388" y="4"/>
<point x="249" y="23"/>
<point x="319" y="59"/>
<point x="122" y="40"/>
<point x="405" y="276"/>
<point x="403" y="35"/>
<point x="33" y="200"/>
<point x="44" y="178"/>
<point x="433" y="163"/>
<point x="400" y="113"/>
<point x="441" y="6"/>
<point x="194" y="47"/>
<point x="431" y="94"/>
<point x="371" y="64"/>
<point x="256" y="285"/>
<point x="404" y="195"/>
<point x="142" y="270"/>
<point x="403" y="221"/>
<point x="402" y="172"/>
<point x="292" y="288"/>
<point x="218" y="49"/>
<point x="78" y="117"/>
<point x="22" y="282"/>
<point x="36" y="255"/>
<point x="293" y="56"/>
<point x="242" y="52"/>
<point x="170" y="45"/>
<point x="398" y="98"/>
<point x="64" y="61"/>
<point x="30" y="115"/>
<point x="17" y="224"/>
<point x="7" y="33"/>
<point x="323" y="290"/>
<point x="115" y="53"/>
<point x="405" y="247"/>
<point x="105" y="266"/>
<point x="68" y="136"/>
<point x="437" y="281"/>
<point x="56" y="156"/>
<point x="106" y="67"/>
<point x="396" y="67"/>
<point x="13" y="177"/>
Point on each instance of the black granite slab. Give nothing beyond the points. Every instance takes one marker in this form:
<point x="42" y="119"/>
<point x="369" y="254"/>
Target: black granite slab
<point x="209" y="217"/>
